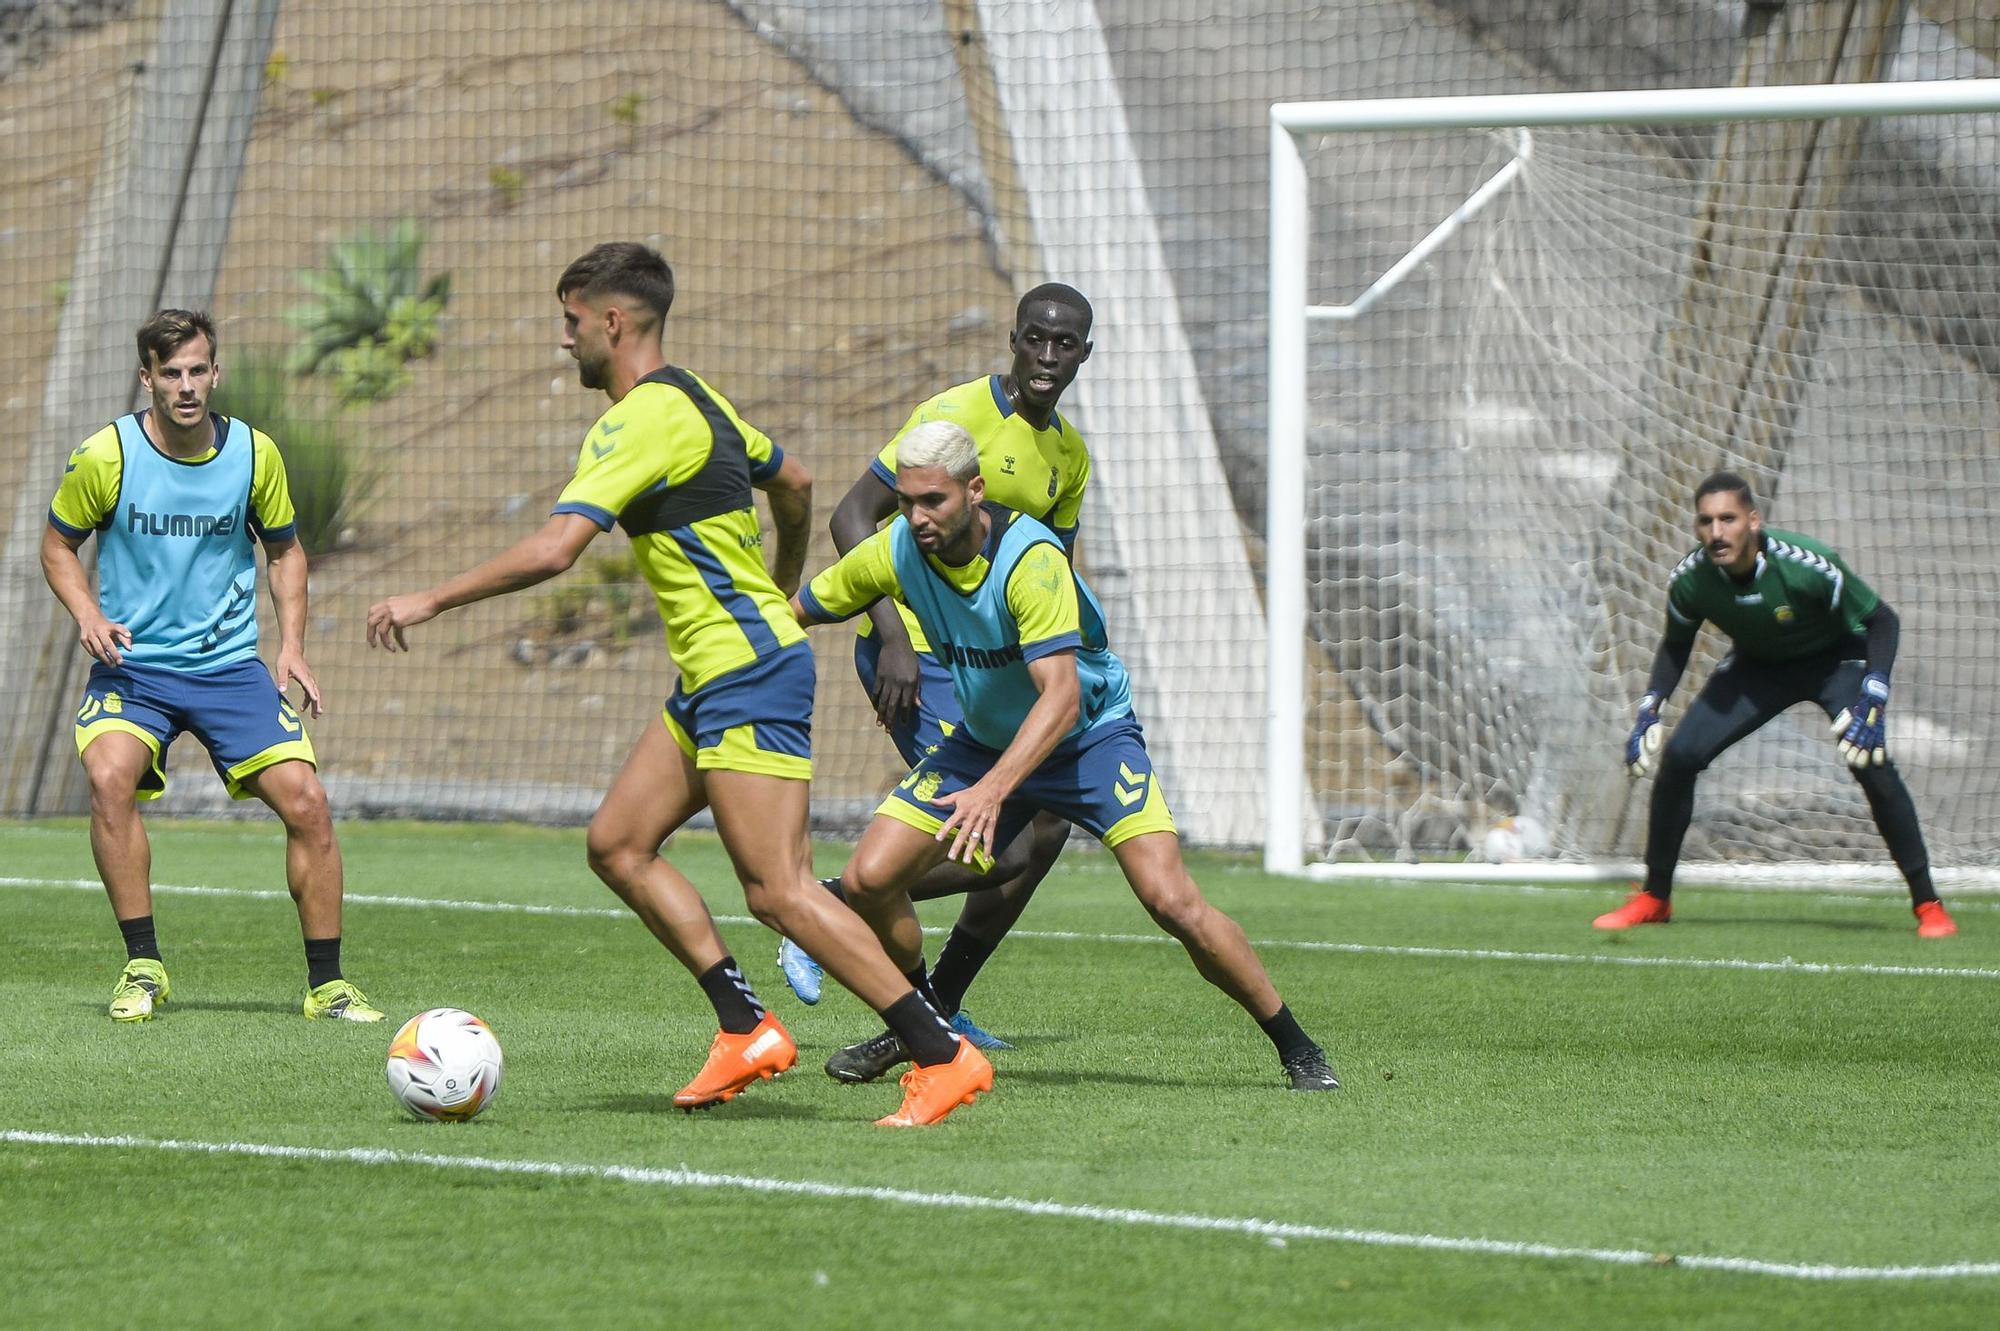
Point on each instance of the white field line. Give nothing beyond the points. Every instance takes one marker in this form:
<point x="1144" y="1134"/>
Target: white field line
<point x="1277" y="1232"/>
<point x="1785" y="965"/>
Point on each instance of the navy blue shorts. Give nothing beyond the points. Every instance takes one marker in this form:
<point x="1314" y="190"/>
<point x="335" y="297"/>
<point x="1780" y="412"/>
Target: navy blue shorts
<point x="1101" y="780"/>
<point x="757" y="718"/>
<point x="236" y="712"/>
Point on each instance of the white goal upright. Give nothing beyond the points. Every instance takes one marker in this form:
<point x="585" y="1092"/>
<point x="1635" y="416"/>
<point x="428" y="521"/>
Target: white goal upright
<point x="1561" y="311"/>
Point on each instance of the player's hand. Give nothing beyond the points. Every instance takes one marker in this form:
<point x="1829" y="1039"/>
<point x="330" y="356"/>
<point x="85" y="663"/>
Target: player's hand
<point x="101" y="638"/>
<point x="387" y="620"/>
<point x="292" y="666"/>
<point x="1863" y="728"/>
<point x="896" y="684"/>
<point x="974" y="820"/>
<point x="1644" y="741"/>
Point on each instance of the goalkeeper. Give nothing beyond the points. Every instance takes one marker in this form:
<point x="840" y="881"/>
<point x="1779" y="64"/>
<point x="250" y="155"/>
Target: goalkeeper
<point x="1802" y="628"/>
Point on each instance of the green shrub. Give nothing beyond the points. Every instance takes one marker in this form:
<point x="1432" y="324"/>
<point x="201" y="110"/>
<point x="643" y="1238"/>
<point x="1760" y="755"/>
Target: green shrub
<point x="330" y="476"/>
<point x="508" y="186"/>
<point x="625" y="108"/>
<point x="372" y="313"/>
<point x="605" y="595"/>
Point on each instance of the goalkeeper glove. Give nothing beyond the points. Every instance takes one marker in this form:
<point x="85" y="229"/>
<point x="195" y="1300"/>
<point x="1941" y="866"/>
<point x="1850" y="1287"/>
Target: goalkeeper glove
<point x="1645" y="738"/>
<point x="1863" y="728"/>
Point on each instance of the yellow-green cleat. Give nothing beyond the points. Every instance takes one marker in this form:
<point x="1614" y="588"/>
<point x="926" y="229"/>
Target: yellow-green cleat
<point x="339" y="1000"/>
<point x="142" y="986"/>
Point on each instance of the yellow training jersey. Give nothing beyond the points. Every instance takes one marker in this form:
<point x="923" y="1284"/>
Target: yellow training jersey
<point x="1042" y="473"/>
<point x="672" y="463"/>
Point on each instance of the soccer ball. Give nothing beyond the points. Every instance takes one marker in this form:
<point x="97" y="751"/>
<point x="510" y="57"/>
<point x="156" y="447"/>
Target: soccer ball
<point x="1514" y="839"/>
<point x="444" y="1064"/>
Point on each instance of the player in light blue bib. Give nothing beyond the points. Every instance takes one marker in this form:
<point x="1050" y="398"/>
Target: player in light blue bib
<point x="177" y="498"/>
<point x="1033" y="460"/>
<point x="1048" y="725"/>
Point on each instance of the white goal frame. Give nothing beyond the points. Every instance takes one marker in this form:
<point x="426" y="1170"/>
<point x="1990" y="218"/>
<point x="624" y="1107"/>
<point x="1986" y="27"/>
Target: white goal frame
<point x="1292" y="313"/>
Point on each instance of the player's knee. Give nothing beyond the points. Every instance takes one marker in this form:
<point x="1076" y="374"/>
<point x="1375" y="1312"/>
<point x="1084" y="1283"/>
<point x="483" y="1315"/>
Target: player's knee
<point x="869" y="878"/>
<point x="306" y="811"/>
<point x="1682" y="761"/>
<point x="768" y="902"/>
<point x="1014" y="862"/>
<point x="112" y="789"/>
<point x="1176" y="905"/>
<point x="1048" y="837"/>
<point x="113" y="776"/>
<point x="612" y="857"/>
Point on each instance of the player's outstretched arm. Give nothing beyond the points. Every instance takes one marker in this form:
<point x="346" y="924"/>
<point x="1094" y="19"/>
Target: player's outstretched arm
<point x="536" y="559"/>
<point x="790" y="492"/>
<point x="867" y="502"/>
<point x="852" y="583"/>
<point x="287" y="571"/>
<point x="64" y="570"/>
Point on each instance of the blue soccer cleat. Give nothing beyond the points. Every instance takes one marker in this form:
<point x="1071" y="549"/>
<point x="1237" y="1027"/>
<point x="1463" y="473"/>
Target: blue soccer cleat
<point x="801" y="972"/>
<point x="977" y="1038"/>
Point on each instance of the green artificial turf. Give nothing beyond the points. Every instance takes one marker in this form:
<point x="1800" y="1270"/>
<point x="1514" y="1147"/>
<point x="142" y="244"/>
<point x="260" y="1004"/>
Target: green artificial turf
<point x="1494" y="1090"/>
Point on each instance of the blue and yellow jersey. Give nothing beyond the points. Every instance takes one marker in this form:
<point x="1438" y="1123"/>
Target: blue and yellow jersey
<point x="1042" y="473"/>
<point x="176" y="563"/>
<point x="672" y="463"/>
<point x="1017" y="601"/>
<point x="1801" y="600"/>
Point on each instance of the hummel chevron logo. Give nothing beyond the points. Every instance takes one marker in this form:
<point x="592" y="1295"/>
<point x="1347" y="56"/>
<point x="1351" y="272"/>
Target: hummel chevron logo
<point x="1136" y="780"/>
<point x="607" y="429"/>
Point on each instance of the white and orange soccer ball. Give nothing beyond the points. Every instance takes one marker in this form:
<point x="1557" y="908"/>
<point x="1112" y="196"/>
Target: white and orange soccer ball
<point x="445" y="1065"/>
<point x="1512" y="840"/>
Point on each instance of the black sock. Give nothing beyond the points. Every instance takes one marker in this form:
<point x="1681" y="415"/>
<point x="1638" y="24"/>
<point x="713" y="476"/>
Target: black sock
<point x="921" y="982"/>
<point x="833" y="885"/>
<point x="322" y="960"/>
<point x="922" y="1031"/>
<point x="140" y="940"/>
<point x="1286" y="1033"/>
<point x="957" y="965"/>
<point x="736" y="1007"/>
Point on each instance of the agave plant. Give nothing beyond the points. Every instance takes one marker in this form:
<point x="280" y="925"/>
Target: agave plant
<point x="372" y="312"/>
<point x="329" y="476"/>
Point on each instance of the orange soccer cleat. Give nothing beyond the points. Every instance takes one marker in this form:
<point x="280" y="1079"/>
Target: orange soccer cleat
<point x="1639" y="908"/>
<point x="929" y="1093"/>
<point x="737" y="1061"/>
<point x="1932" y="922"/>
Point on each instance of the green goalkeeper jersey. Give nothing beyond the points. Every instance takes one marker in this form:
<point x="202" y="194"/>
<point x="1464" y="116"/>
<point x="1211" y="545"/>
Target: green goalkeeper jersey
<point x="1800" y="600"/>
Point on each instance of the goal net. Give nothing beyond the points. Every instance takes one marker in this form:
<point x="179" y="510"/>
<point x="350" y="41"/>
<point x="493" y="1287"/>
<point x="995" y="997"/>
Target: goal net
<point x="1560" y="312"/>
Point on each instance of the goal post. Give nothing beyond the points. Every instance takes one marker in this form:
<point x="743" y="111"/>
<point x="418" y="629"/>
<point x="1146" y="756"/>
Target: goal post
<point x="1560" y="311"/>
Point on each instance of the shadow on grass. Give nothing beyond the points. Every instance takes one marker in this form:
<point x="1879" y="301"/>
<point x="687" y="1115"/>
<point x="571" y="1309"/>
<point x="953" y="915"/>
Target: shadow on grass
<point x="1093" y="1077"/>
<point x="748" y="1105"/>
<point x="1884" y="925"/>
<point x="291" y="1008"/>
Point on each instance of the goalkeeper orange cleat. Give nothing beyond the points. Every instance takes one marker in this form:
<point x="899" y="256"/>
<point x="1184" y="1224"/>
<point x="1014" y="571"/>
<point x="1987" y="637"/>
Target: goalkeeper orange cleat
<point x="739" y="1061"/>
<point x="1932" y="922"/>
<point x="929" y="1093"/>
<point x="1639" y="908"/>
